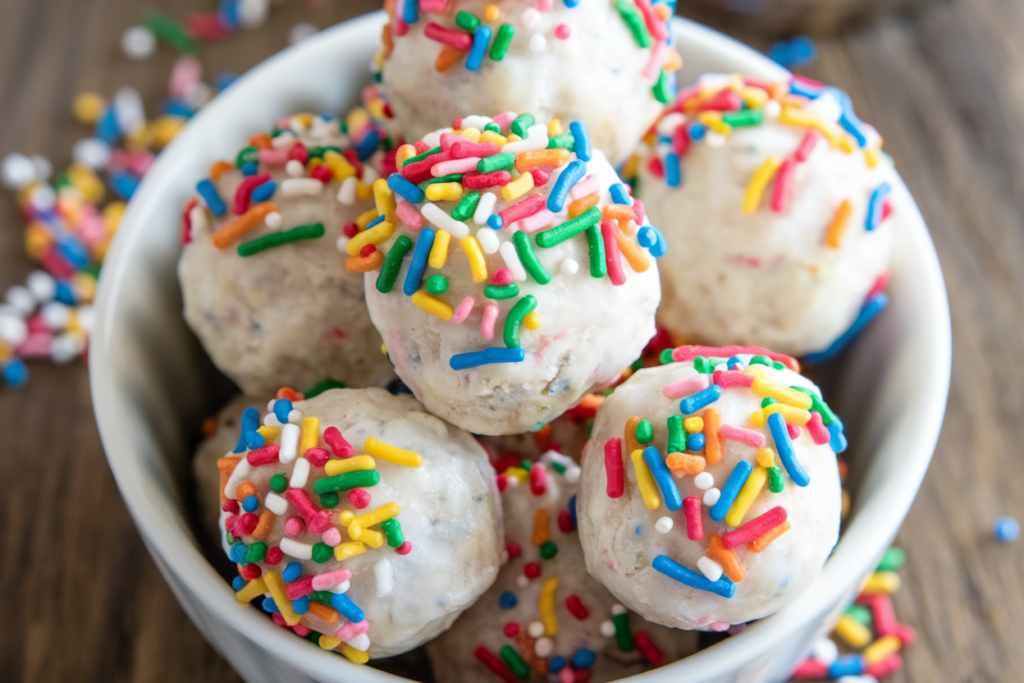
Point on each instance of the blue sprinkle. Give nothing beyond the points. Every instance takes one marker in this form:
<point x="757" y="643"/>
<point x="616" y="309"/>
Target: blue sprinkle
<point x="238" y="583"/>
<point x="481" y="39"/>
<point x="669" y="490"/>
<point x="251" y="503"/>
<point x="224" y="80"/>
<point x="368" y="145"/>
<point x="695" y="442"/>
<point x="875" y="206"/>
<point x="735" y="363"/>
<point x="556" y="663"/>
<point x="696" y="131"/>
<point x="74" y="251"/>
<point x="177" y="108"/>
<point x="343" y="604"/>
<point x="647" y="237"/>
<point x="254" y="440"/>
<point x="282" y="407"/>
<point x="581" y="136"/>
<point x="264" y="192"/>
<point x="508" y="600"/>
<point x="411" y="12"/>
<point x="270" y="606"/>
<point x="570" y="175"/>
<point x="401" y="186"/>
<point x="418" y="264"/>
<point x="784" y="447"/>
<point x="15" y="372"/>
<point x="376" y="221"/>
<point x="301" y="605"/>
<point x="798" y="87"/>
<point x="875" y="305"/>
<point x="250" y="423"/>
<point x="583" y="658"/>
<point x="1006" y="529"/>
<point x="572" y="510"/>
<point x="702" y="399"/>
<point x="107" y="128"/>
<point x="620" y="195"/>
<point x="495" y="354"/>
<point x="795" y="52"/>
<point x="208" y="191"/>
<point x="837" y="440"/>
<point x="660" y="247"/>
<point x="673" y="170"/>
<point x="731" y="489"/>
<point x="638" y="530"/>
<point x="571" y="3"/>
<point x="227" y="12"/>
<point x="237" y="553"/>
<point x="674" y="570"/>
<point x="495" y="222"/>
<point x="65" y="294"/>
<point x="846" y="665"/>
<point x="292" y="572"/>
<point x="250" y="168"/>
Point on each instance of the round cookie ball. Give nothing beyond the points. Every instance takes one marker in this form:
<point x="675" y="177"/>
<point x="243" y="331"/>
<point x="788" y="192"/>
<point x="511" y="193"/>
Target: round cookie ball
<point x="585" y="630"/>
<point x="367" y="520"/>
<point x="611" y="68"/>
<point x="721" y="519"/>
<point x="291" y="315"/>
<point x="542" y="303"/>
<point x="778" y="231"/>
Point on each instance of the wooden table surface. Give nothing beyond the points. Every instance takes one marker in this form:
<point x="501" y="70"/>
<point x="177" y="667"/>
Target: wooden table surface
<point x="80" y="600"/>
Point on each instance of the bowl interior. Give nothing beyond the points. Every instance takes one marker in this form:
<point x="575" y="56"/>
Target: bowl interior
<point x="152" y="384"/>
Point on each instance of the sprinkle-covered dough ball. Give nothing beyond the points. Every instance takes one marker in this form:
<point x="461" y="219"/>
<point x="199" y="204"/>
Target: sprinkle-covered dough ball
<point x="545" y="614"/>
<point x="608" y="63"/>
<point x="289" y="315"/>
<point x="504" y="298"/>
<point x="775" y="216"/>
<point x="700" y="509"/>
<point x="366" y="520"/>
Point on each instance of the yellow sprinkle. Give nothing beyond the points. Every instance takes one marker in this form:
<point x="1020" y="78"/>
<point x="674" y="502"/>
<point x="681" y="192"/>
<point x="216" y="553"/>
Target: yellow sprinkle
<point x="693" y="425"/>
<point x="343" y="551"/>
<point x="163" y="130"/>
<point x="631" y="167"/>
<point x="345" y="517"/>
<point x="882" y="582"/>
<point x="354" y="655"/>
<point x="846" y="505"/>
<point x="547" y="606"/>
<point x="89" y="184"/>
<point x="363" y="191"/>
<point x="269" y="434"/>
<point x="554" y="128"/>
<point x="531" y="321"/>
<point x="356" y="120"/>
<point x="836" y="136"/>
<point x="340" y="166"/>
<point x="392" y="454"/>
<point x="477" y="262"/>
<point x="88" y="107"/>
<point x="645" y="481"/>
<point x="754" y="97"/>
<point x="433" y="306"/>
<point x="37" y="240"/>
<point x="444" y="192"/>
<point x="357" y="528"/>
<point x="404" y="153"/>
<point x="384" y="349"/>
<point x="492" y="13"/>
<point x="713" y="120"/>
<point x="756" y="188"/>
<point x="374" y="539"/>
<point x="512" y="137"/>
<point x="518" y="473"/>
<point x="251" y="591"/>
<point x="439" y="252"/>
<point x="491" y="136"/>
<point x="755" y="482"/>
<point x="358" y="463"/>
<point x="794" y="416"/>
<point x="376" y="107"/>
<point x="471" y="134"/>
<point x="365" y="218"/>
<point x="112" y="215"/>
<point x="275" y="584"/>
<point x="384" y="199"/>
<point x="310" y="434"/>
<point x="886" y="646"/>
<point x="756" y="370"/>
<point x="540" y="526"/>
<point x="378" y="234"/>
<point x="766" y="457"/>
<point x="854" y="633"/>
<point x="783" y="394"/>
<point x="518" y="187"/>
<point x="327" y="642"/>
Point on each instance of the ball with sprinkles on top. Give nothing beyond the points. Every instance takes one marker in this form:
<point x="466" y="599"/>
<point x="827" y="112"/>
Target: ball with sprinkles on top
<point x="517" y="275"/>
<point x="545" y="614"/>
<point x="358" y="520"/>
<point x="775" y="199"/>
<point x="608" y="63"/>
<point x="265" y="288"/>
<point x="710" y="493"/>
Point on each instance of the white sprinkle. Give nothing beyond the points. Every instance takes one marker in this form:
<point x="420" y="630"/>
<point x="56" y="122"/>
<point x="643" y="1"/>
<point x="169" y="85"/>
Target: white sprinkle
<point x="290" y="434"/>
<point x="709" y="568"/>
<point x="538" y="43"/>
<point x="341" y="587"/>
<point x="276" y="503"/>
<point x="704" y="481"/>
<point x="91" y="152"/>
<point x="56" y="315"/>
<point x="295" y="417"/>
<point x="370" y="175"/>
<point x="18" y="170"/>
<point x="138" y="42"/>
<point x="197" y="219"/>
<point x="485" y="208"/>
<point x="347" y="191"/>
<point x="711" y="496"/>
<point x="607" y="628"/>
<point x="300" y="473"/>
<point x="241" y="473"/>
<point x="572" y="474"/>
<point x="21" y="298"/>
<point x="512" y="262"/>
<point x="670" y="122"/>
<point x="489" y="241"/>
<point x="543" y="647"/>
<point x="341" y="243"/>
<point x="292" y="548"/>
<point x="43" y="197"/>
<point x="270" y="420"/>
<point x="360" y="642"/>
<point x="128" y="109"/>
<point x="618" y="609"/>
<point x="478" y="122"/>
<point x="385" y="577"/>
<point x="531" y="18"/>
<point x="42" y="165"/>
<point x="536" y="138"/>
<point x="522" y="581"/>
<point x="253" y="13"/>
<point x="298" y="187"/>
<point x="13" y="329"/>
<point x="284" y="141"/>
<point x="66" y="347"/>
<point x="714" y="139"/>
<point x="273" y="220"/>
<point x="294" y="168"/>
<point x="825" y="651"/>
<point x="441" y="219"/>
<point x="86" y="318"/>
<point x="569" y="267"/>
<point x="664" y="525"/>
<point x="42" y="285"/>
<point x="535" y="629"/>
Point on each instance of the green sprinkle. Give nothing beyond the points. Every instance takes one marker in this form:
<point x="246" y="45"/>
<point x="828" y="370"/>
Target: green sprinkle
<point x="466" y="21"/>
<point x="437" y="284"/>
<point x="256" y="552"/>
<point x="465" y="208"/>
<point x="278" y="483"/>
<point x="347" y="482"/>
<point x="528" y="257"/>
<point x="775" y="481"/>
<point x="231" y="538"/>
<point x="665" y="357"/>
<point x="703" y="365"/>
<point x="638" y="364"/>
<point x="588" y="427"/>
<point x="247" y="156"/>
<point x="393" y="263"/>
<point x="598" y="262"/>
<point x="739" y="119"/>
<point x="635" y="22"/>
<point x="623" y="637"/>
<point x="526" y="464"/>
<point x="522" y="124"/>
<point x="818" y="406"/>
<point x="392" y="528"/>
<point x="322" y="552"/>
<point x="172" y="32"/>
<point x="323" y="597"/>
<point x="861" y="614"/>
<point x="329" y="500"/>
<point x="515" y="319"/>
<point x="569" y="229"/>
<point x="493" y="127"/>
<point x="767" y="402"/>
<point x="548" y="550"/>
<point x="451" y="178"/>
<point x="676" y="435"/>
<point x="278" y="239"/>
<point x="558" y="467"/>
<point x="663" y="91"/>
<point x="565" y="140"/>
<point x="502" y="41"/>
<point x="892" y="560"/>
<point x="500" y="292"/>
<point x="504" y="161"/>
<point x="777" y="365"/>
<point x="322" y="386"/>
<point x="421" y="157"/>
<point x="644" y="432"/>
<point x="761" y="360"/>
<point x="514" y="662"/>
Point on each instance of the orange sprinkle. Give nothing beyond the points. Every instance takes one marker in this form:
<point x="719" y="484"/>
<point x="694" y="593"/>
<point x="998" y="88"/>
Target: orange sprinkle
<point x="527" y="648"/>
<point x="663" y="11"/>
<point x="218" y="169"/>
<point x="389" y="43"/>
<point x="234" y="230"/>
<point x="364" y="264"/>
<point x="629" y="436"/>
<point x="209" y="424"/>
<point x="631" y="250"/>
<point x="725" y="557"/>
<point x="765" y="539"/>
<point x="834" y="235"/>
<point x="291" y="395"/>
<point x="579" y="206"/>
<point x="674" y="61"/>
<point x="244" y="490"/>
<point x="712" y="446"/>
<point x="226" y="467"/>
<point x="843" y="470"/>
<point x="618" y="212"/>
<point x="591" y="401"/>
<point x="448" y="58"/>
<point x="404" y="153"/>
<point x="261" y="141"/>
<point x="323" y="612"/>
<point x="541" y="157"/>
<point x="543" y="437"/>
<point x="627" y="228"/>
<point x="263" y="527"/>
<point x="686" y="463"/>
<point x="540" y="526"/>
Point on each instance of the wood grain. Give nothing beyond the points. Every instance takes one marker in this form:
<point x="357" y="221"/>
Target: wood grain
<point x="81" y="599"/>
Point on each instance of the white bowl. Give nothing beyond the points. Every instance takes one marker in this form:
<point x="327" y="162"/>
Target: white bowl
<point x="151" y="381"/>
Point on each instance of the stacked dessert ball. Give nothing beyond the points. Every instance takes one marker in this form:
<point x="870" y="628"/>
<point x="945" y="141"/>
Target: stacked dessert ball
<point x="474" y="224"/>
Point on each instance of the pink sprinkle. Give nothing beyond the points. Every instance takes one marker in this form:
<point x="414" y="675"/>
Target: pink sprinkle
<point x="278" y="619"/>
<point x="538" y="478"/>
<point x="351" y="629"/>
<point x="783" y="186"/>
<point x="273" y="157"/>
<point x="487" y="324"/>
<point x="686" y="387"/>
<point x="482" y="181"/>
<point x="523" y="209"/>
<point x="431" y="6"/>
<point x="719" y="626"/>
<point x="328" y="580"/>
<point x="755" y="527"/>
<point x="449" y="140"/>
<point x="588" y="185"/>
<point x="881" y="282"/>
<point x="404" y="549"/>
<point x="544" y="5"/>
<point x="566" y="675"/>
<point x="506" y="119"/>
<point x="541" y="219"/>
<point x="186" y="74"/>
<point x="728" y="379"/>
<point x="337" y="442"/>
<point x="465" y="148"/>
<point x="818" y="430"/>
<point x="412" y="218"/>
<point x="331" y="537"/>
<point x="454" y="166"/>
<point x="640" y="210"/>
<point x="502" y="277"/>
<point x="685" y="353"/>
<point x="301" y="631"/>
<point x="794" y="431"/>
<point x="656" y="60"/>
<point x="317" y="457"/>
<point x="613" y="467"/>
<point x="462" y="311"/>
<point x="616" y="273"/>
<point x="398" y="25"/>
<point x="299" y="587"/>
<point x="294" y="527"/>
<point x="657" y="27"/>
<point x="359" y="498"/>
<point x="694" y="518"/>
<point x="807" y="145"/>
<point x="746" y="436"/>
<point x="562" y="31"/>
<point x="886" y="667"/>
<point x="264" y="456"/>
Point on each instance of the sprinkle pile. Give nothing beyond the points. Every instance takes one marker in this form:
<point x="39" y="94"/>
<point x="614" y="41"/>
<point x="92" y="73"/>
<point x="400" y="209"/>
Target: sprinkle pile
<point x="695" y="441"/>
<point x="526" y="185"/>
<point x="278" y="465"/>
<point x="474" y="40"/>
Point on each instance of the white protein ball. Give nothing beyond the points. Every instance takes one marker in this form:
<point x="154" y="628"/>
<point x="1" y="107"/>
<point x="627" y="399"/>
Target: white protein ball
<point x="253" y="13"/>
<point x="13" y="330"/>
<point x="288" y="316"/>
<point x="92" y="152"/>
<point x="762" y="574"/>
<point x="589" y="330"/>
<point x="21" y="298"/>
<point x="42" y="285"/>
<point x="300" y="32"/>
<point x="138" y="42"/>
<point x="513" y="603"/>
<point x="443" y="499"/>
<point x="43" y="166"/>
<point x="568" y="63"/>
<point x="780" y="279"/>
<point x="18" y="170"/>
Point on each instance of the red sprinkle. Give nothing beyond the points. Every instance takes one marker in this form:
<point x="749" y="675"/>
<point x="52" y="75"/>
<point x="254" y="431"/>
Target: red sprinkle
<point x="541" y="177"/>
<point x="243" y="195"/>
<point x="502" y="482"/>
<point x="246" y="523"/>
<point x="230" y="506"/>
<point x="532" y="570"/>
<point x="298" y="153"/>
<point x="317" y="521"/>
<point x="807" y="145"/>
<point x="794" y="431"/>
<point x="783" y="186"/>
<point x="755" y="527"/>
<point x="299" y="587"/>
<point x="419" y="171"/>
<point x="481" y="181"/>
<point x="502" y="277"/>
<point x="353" y="156"/>
<point x="337" y="442"/>
<point x="317" y="456"/>
<point x="538" y="478"/>
<point x="278" y="619"/>
<point x="881" y="282"/>
<point x="359" y="498"/>
<point x="251" y="571"/>
<point x="647" y="647"/>
<point x="186" y="221"/>
<point x="350" y="229"/>
<point x="810" y="669"/>
<point x="680" y="140"/>
<point x="886" y="667"/>
<point x="511" y="629"/>
<point x="817" y="429"/>
<point x="274" y="555"/>
<point x="564" y="521"/>
<point x="657" y="167"/>
<point x="577" y="607"/>
<point x="725" y="100"/>
<point x="323" y="174"/>
<point x="495" y="665"/>
<point x="613" y="259"/>
<point x="404" y="549"/>
<point x="732" y="378"/>
<point x="367" y="250"/>
<point x="264" y="456"/>
<point x="694" y="518"/>
<point x="514" y="550"/>
<point x="613" y="467"/>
